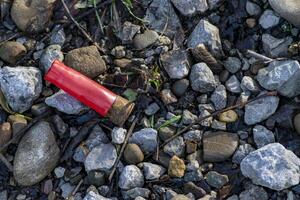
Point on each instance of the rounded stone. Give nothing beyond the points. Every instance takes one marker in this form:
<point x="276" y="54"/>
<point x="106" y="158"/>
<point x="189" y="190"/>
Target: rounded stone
<point x="133" y="154"/>
<point x="86" y="60"/>
<point x="131" y="177"/>
<point x="32" y="15"/>
<point x="5" y="133"/>
<point x="176" y="167"/>
<point x="36" y="156"/>
<point x="11" y="52"/>
<point x="180" y="87"/>
<point x="228" y="116"/>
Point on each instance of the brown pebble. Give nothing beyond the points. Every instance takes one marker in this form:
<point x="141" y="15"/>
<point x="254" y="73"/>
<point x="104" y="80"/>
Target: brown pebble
<point x="17" y="122"/>
<point x="297" y="123"/>
<point x="11" y="52"/>
<point x="176" y="167"/>
<point x="190" y="187"/>
<point x="133" y="154"/>
<point x="122" y="63"/>
<point x="251" y="22"/>
<point x="5" y="133"/>
<point x="191" y="147"/>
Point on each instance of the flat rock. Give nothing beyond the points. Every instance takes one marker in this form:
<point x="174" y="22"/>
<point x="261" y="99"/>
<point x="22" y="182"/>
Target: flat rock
<point x="146" y="139"/>
<point x="32" y="16"/>
<point x="275" y="47"/>
<point x="176" y="63"/>
<point x="65" y="103"/>
<point x="143" y="40"/>
<point x="202" y="79"/>
<point x="131" y="177"/>
<point x="272" y="166"/>
<point x="152" y="171"/>
<point x="207" y="34"/>
<point x="283" y="76"/>
<point x="190" y="7"/>
<point x="21" y="86"/>
<point x="36" y="156"/>
<point x="102" y="157"/>
<point x="11" y="51"/>
<point x="259" y="110"/>
<point x="86" y="60"/>
<point x="289" y="10"/>
<point x="219" y="146"/>
<point x="161" y="17"/>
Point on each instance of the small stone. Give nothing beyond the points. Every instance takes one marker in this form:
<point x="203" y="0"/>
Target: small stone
<point x="248" y="84"/>
<point x="241" y="153"/>
<point x="152" y="109"/>
<point x="254" y="193"/>
<point x="252" y="8"/>
<point x="66" y="189"/>
<point x="136" y="193"/>
<point x="33" y="16"/>
<point x="96" y="178"/>
<point x="191" y="147"/>
<point x="193" y="165"/>
<point x="233" y="197"/>
<point x="219" y="97"/>
<point x="259" y="110"/>
<point x="102" y="157"/>
<point x="59" y="172"/>
<point x="168" y="97"/>
<point x="36" y="156"/>
<point x="122" y="63"/>
<point x="39" y="109"/>
<point x="233" y="85"/>
<point x="131" y="177"/>
<point x="51" y="53"/>
<point x="91" y="195"/>
<point x="219" y="146"/>
<point x="166" y="132"/>
<point x="297" y="123"/>
<point x="152" y="171"/>
<point x="180" y="197"/>
<point x="175" y="147"/>
<point x="228" y="116"/>
<point x="262" y="136"/>
<point x="193" y="176"/>
<point x="58" y="37"/>
<point x="207" y="34"/>
<point x="11" y="51"/>
<point x="176" y="167"/>
<point x="193" y="135"/>
<point x="21" y="86"/>
<point x="133" y="154"/>
<point x="188" y="117"/>
<point x="281" y="76"/>
<point x="17" y="122"/>
<point x="146" y="139"/>
<point x="5" y="133"/>
<point x="86" y="60"/>
<point x="269" y="19"/>
<point x="161" y="17"/>
<point x="190" y="187"/>
<point x="144" y="40"/>
<point x="202" y="78"/>
<point x="275" y="47"/>
<point x="190" y="7"/>
<point x="179" y="87"/>
<point x="176" y="63"/>
<point x="118" y="52"/>
<point x="272" y="166"/>
<point x="128" y="32"/>
<point x="208" y="121"/>
<point x="233" y="64"/>
<point x="216" y="180"/>
<point x="214" y="4"/>
<point x="118" y="135"/>
<point x="251" y="23"/>
<point x="218" y="125"/>
<point x="65" y="103"/>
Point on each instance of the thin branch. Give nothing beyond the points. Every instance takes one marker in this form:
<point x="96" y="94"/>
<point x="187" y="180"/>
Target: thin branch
<point x="6" y="162"/>
<point x="259" y="56"/>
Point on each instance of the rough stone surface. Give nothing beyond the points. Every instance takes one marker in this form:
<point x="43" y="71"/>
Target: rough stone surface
<point x="161" y="17"/>
<point x="91" y="195"/>
<point x="202" y="78"/>
<point x="252" y="8"/>
<point x="118" y="135"/>
<point x="32" y="16"/>
<point x="128" y="32"/>
<point x="146" y="139"/>
<point x="179" y="87"/>
<point x="11" y="51"/>
<point x="136" y="193"/>
<point x="176" y="167"/>
<point x="5" y="133"/>
<point x="152" y="171"/>
<point x="36" y="156"/>
<point x="233" y="85"/>
<point x="289" y="10"/>
<point x="131" y="177"/>
<point x="208" y="34"/>
<point x="219" y="146"/>
<point x="65" y="103"/>
<point x="51" y="53"/>
<point x="102" y="157"/>
<point x="176" y="63"/>
<point x="259" y="110"/>
<point x="253" y="193"/>
<point x="86" y="60"/>
<point x="248" y="84"/>
<point x="141" y="41"/>
<point x="219" y="97"/>
<point x="283" y="76"/>
<point x="175" y="147"/>
<point x="190" y="7"/>
<point x="216" y="180"/>
<point x="275" y="47"/>
<point x="152" y="109"/>
<point x="272" y="166"/>
<point x="262" y="136"/>
<point x="21" y="86"/>
<point x="233" y="64"/>
<point x="241" y="153"/>
<point x="269" y="19"/>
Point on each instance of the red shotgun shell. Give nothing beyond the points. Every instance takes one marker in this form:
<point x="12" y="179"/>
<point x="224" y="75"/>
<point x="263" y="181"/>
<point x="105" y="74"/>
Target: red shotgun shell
<point x="81" y="87"/>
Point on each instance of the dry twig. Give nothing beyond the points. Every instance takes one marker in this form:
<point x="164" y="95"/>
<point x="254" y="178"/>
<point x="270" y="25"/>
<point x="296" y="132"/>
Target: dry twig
<point x="259" y="56"/>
